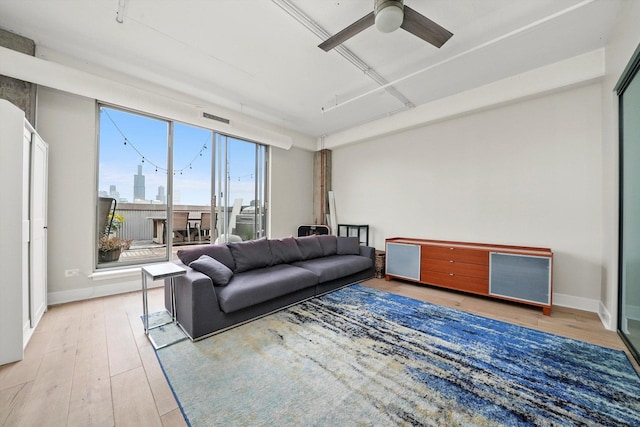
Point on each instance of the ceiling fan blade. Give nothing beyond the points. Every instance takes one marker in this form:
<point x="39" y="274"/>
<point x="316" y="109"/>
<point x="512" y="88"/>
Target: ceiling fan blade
<point x="344" y="35"/>
<point x="423" y="27"/>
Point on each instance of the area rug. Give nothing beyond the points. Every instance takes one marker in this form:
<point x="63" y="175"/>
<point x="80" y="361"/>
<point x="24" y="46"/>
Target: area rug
<point x="359" y="356"/>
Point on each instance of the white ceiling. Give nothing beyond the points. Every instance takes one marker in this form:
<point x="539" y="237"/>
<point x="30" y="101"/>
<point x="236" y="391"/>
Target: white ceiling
<point x="253" y="56"/>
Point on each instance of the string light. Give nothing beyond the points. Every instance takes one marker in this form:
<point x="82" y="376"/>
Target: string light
<point x="157" y="167"/>
<point x="128" y="142"/>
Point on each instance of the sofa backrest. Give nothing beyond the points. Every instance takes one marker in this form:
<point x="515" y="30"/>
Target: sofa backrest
<point x="348" y="245"/>
<point x="310" y="247"/>
<point x="329" y="244"/>
<point x="284" y="251"/>
<point x="220" y="253"/>
<point x="252" y="254"/>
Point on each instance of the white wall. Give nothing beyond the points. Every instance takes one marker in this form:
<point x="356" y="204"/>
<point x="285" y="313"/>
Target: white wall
<point x="291" y="191"/>
<point x="68" y="123"/>
<point x="528" y="174"/>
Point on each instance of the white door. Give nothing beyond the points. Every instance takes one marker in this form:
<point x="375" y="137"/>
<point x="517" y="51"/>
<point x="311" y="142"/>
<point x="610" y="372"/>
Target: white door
<point x="26" y="230"/>
<point x="38" y="213"/>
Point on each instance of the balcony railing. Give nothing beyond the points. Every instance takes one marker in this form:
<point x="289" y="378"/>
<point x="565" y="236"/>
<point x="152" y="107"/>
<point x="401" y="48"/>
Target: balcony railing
<point x="138" y="218"/>
<point x="138" y="226"/>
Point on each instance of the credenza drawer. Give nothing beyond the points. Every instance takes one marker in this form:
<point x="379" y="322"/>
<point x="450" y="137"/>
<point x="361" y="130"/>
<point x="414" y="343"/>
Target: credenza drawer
<point x="453" y="253"/>
<point x="454" y="281"/>
<point x="456" y="267"/>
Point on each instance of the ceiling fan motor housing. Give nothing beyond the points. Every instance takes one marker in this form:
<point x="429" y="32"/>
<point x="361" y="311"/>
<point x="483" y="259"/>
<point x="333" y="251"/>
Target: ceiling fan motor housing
<point x="389" y="15"/>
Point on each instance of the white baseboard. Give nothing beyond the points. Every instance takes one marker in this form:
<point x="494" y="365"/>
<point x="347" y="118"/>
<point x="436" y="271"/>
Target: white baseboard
<point x="61" y="297"/>
<point x="605" y="317"/>
<point x="586" y="304"/>
<point x="579" y="303"/>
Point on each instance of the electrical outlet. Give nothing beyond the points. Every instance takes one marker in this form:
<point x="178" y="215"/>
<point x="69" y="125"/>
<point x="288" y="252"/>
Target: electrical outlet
<point x="73" y="272"/>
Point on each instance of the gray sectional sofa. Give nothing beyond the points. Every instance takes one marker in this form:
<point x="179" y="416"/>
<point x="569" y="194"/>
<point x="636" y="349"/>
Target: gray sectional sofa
<point x="229" y="284"/>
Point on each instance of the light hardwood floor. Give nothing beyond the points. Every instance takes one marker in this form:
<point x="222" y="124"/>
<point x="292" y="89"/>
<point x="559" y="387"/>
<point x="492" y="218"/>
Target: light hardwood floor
<point x="90" y="364"/>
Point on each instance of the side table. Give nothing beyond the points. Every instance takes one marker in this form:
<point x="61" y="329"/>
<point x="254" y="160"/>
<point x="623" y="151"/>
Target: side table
<point x="157" y="272"/>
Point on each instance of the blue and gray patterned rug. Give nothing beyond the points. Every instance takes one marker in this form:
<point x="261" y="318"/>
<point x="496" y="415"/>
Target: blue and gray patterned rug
<point x="359" y="356"/>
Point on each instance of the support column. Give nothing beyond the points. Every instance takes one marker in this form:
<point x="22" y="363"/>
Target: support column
<point x="20" y="93"/>
<point x="321" y="185"/>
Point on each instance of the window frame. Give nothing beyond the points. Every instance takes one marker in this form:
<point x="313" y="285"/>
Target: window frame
<point x="169" y="204"/>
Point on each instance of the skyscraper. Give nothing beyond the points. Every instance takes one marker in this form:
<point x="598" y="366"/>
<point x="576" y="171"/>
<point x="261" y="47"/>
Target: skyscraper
<point x="160" y="196"/>
<point x="138" y="186"/>
<point x="114" y="193"/>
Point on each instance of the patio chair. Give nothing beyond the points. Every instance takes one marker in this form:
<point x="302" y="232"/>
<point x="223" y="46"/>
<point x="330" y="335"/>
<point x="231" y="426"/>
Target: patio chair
<point x="204" y="227"/>
<point x="180" y="227"/>
<point x="106" y="210"/>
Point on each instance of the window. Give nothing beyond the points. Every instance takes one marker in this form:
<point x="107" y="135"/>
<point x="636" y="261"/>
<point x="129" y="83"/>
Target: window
<point x="163" y="185"/>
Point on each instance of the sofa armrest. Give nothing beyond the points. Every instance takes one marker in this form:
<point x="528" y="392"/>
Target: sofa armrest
<point x="196" y="298"/>
<point x="369" y="252"/>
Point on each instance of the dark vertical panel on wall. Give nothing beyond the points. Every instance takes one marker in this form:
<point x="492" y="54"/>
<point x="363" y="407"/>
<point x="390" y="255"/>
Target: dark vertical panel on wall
<point x="20" y="93"/>
<point x="321" y="185"/>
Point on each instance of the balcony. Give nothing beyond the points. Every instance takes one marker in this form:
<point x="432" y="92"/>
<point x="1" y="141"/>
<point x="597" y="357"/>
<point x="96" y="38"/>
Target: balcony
<point x="144" y="225"/>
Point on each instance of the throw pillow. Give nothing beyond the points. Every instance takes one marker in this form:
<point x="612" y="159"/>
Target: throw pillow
<point x="218" y="252"/>
<point x="329" y="244"/>
<point x="309" y="247"/>
<point x="251" y="254"/>
<point x="219" y="273"/>
<point x="348" y="245"/>
<point x="284" y="251"/>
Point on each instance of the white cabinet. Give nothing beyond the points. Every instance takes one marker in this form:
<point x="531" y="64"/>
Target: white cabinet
<point x="23" y="231"/>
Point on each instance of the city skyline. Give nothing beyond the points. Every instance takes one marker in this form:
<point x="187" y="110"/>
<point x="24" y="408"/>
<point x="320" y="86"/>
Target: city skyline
<point x="132" y="144"/>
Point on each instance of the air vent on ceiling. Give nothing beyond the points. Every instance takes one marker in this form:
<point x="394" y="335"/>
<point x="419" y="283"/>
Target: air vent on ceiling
<point x="214" y="117"/>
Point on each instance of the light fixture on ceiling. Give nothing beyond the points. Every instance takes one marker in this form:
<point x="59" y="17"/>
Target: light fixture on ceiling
<point x="389" y="15"/>
<point x="120" y="12"/>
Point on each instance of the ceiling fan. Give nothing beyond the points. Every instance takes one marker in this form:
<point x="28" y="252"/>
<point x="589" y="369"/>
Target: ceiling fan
<point x="389" y="15"/>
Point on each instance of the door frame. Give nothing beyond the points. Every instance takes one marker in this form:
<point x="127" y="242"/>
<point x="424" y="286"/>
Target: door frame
<point x="630" y="72"/>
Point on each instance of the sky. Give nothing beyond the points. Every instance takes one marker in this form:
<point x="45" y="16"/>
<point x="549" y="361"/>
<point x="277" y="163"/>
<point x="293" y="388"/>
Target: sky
<point x="147" y="145"/>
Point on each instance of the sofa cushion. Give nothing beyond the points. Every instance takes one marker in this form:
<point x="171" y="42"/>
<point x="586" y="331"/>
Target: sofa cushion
<point x="329" y="244"/>
<point x="336" y="266"/>
<point x="256" y="286"/>
<point x="284" y="251"/>
<point x="348" y="245"/>
<point x="250" y="255"/>
<point x="310" y="247"/>
<point x="218" y="252"/>
<point x="219" y="273"/>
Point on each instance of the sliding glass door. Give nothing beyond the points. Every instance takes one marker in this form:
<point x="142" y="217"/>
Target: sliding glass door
<point x="164" y="184"/>
<point x="193" y="203"/>
<point x="629" y="268"/>
<point x="240" y="188"/>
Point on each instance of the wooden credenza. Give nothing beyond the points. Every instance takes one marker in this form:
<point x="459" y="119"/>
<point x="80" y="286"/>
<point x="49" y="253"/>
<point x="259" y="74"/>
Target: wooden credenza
<point x="515" y="273"/>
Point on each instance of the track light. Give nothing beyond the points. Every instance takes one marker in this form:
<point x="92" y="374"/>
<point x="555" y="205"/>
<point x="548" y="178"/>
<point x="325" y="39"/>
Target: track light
<point x="120" y="12"/>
